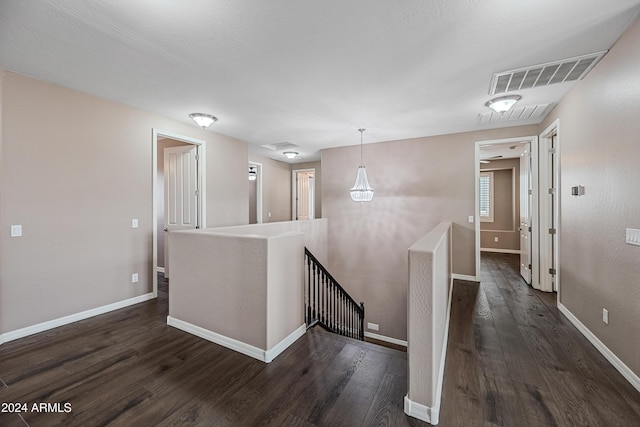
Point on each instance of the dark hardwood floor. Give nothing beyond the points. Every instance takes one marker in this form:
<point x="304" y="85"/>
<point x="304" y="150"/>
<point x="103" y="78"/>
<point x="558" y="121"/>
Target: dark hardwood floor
<point x="512" y="360"/>
<point x="129" y="368"/>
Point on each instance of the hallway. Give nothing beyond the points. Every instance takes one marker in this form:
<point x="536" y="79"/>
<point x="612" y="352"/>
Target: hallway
<point x="514" y="360"/>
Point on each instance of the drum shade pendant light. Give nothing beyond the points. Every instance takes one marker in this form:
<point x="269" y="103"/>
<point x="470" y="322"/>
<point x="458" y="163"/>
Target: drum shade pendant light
<point x="203" y="120"/>
<point x="361" y="191"/>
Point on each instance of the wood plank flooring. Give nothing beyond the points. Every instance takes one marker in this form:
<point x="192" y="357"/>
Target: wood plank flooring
<point x="128" y="368"/>
<point x="514" y="360"/>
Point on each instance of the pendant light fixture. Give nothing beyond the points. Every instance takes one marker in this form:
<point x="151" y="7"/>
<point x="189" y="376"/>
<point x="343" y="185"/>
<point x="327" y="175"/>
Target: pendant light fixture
<point x="361" y="191"/>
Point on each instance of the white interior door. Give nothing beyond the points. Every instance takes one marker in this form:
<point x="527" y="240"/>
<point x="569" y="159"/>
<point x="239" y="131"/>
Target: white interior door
<point x="180" y="192"/>
<point x="525" y="214"/>
<point x="304" y="195"/>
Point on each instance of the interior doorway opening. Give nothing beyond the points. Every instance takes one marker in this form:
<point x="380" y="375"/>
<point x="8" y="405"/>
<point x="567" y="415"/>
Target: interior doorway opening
<point x="188" y="163"/>
<point x="255" y="193"/>
<point x="518" y="229"/>
<point x="303" y="194"/>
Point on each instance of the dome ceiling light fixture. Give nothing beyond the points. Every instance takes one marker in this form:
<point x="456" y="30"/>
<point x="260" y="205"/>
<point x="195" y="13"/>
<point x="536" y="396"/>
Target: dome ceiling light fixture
<point x="203" y="120"/>
<point x="503" y="103"/>
<point x="361" y="191"/>
<point x="290" y="154"/>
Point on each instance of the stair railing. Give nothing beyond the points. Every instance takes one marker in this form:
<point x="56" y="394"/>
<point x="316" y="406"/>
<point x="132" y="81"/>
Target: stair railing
<point x="328" y="304"/>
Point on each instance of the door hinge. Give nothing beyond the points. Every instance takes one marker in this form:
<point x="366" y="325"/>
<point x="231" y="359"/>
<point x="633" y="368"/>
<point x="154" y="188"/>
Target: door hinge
<point x="530" y="192"/>
<point x="552" y="271"/>
<point x="197" y="156"/>
<point x="197" y="193"/>
<point x="552" y="231"/>
<point x="552" y="191"/>
<point x="552" y="151"/>
<point x="529" y="229"/>
<point x="529" y="266"/>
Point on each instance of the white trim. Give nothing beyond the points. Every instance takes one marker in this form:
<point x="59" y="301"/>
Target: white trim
<point x="258" y="191"/>
<point x="501" y="251"/>
<point x="202" y="182"/>
<point x="464" y="277"/>
<point x="285" y="343"/>
<point x="160" y="269"/>
<point x="535" y="258"/>
<point x="385" y="339"/>
<point x="235" y="345"/>
<point x="421" y="412"/>
<point x="61" y="321"/>
<point x="545" y="243"/>
<point x="603" y="349"/>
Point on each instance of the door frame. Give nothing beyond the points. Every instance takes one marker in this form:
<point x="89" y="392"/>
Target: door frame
<point x="533" y="141"/>
<point x="545" y="143"/>
<point x="201" y="179"/>
<point x="294" y="191"/>
<point x="258" y="191"/>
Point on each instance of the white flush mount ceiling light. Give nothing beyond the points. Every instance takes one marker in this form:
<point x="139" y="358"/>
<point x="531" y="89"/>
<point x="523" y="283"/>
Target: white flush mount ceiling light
<point x="203" y="120"/>
<point x="503" y="103"/>
<point x="290" y="154"/>
<point x="361" y="191"/>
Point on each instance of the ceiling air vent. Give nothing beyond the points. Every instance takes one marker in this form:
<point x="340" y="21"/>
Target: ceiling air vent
<point x="566" y="70"/>
<point x="525" y="112"/>
<point x="280" y="146"/>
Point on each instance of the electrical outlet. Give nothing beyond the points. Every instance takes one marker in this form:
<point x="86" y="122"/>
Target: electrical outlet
<point x="470" y="219"/>
<point x="495" y="239"/>
<point x="134" y="223"/>
<point x="373" y="326"/>
<point x="134" y="278"/>
<point x="605" y="316"/>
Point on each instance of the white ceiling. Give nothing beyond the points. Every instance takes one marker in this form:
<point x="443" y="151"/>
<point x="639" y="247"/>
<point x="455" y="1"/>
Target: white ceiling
<point x="306" y="72"/>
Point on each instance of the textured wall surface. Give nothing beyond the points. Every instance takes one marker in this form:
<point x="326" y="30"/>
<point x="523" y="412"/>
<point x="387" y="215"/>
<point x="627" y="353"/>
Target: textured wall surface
<point x="74" y="179"/>
<point x="418" y="183"/>
<point x="428" y="300"/>
<point x="599" y="139"/>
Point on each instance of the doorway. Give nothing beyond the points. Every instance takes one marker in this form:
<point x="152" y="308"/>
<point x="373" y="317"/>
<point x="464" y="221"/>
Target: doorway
<point x="255" y="193"/>
<point x="189" y="159"/>
<point x="525" y="235"/>
<point x="303" y="194"/>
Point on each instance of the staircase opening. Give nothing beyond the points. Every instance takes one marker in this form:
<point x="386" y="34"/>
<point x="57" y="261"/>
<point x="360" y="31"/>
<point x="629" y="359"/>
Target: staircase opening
<point x="327" y="304"/>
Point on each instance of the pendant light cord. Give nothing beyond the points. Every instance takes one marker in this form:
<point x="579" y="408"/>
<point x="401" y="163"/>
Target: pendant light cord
<point x="361" y="159"/>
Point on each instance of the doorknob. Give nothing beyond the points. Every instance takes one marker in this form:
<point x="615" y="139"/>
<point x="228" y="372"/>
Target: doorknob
<point x="166" y="229"/>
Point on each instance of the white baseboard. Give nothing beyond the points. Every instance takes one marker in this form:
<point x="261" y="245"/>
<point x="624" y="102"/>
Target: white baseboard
<point x="501" y="251"/>
<point x="247" y="349"/>
<point x="464" y="277"/>
<point x="608" y="354"/>
<point x="421" y="412"/>
<point x="45" y="326"/>
<point x="160" y="269"/>
<point x="385" y="339"/>
<point x="285" y="343"/>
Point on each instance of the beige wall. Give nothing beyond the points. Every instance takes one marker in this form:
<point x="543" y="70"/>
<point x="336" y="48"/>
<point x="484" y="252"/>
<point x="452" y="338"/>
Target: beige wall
<point x="600" y="149"/>
<point x="76" y="170"/>
<point x="506" y="206"/>
<point x="276" y="189"/>
<point x="418" y="183"/>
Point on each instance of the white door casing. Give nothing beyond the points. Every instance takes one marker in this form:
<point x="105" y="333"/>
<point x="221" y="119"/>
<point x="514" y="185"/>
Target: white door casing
<point x="549" y="208"/>
<point x="303" y="194"/>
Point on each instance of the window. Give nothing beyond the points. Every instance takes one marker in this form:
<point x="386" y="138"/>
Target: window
<point x="486" y="196"/>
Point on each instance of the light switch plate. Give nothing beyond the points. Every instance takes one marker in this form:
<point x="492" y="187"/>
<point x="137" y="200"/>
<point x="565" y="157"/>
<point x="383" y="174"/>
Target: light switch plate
<point x="16" y="231"/>
<point x="470" y="219"/>
<point x="134" y="223"/>
<point x="134" y="278"/>
<point x="633" y="236"/>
